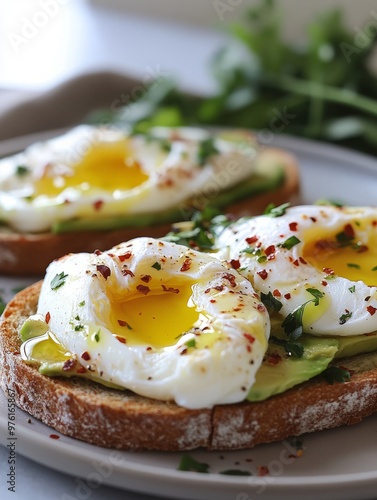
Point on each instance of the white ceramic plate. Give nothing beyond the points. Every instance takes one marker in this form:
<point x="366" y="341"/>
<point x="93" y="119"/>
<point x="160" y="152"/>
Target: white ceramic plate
<point x="337" y="464"/>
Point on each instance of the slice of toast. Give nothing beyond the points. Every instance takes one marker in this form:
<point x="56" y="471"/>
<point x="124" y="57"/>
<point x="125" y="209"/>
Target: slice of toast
<point x="121" y="419"/>
<point x="30" y="254"/>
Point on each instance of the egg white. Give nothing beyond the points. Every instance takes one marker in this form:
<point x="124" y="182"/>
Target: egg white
<point x="347" y="306"/>
<point x="221" y="372"/>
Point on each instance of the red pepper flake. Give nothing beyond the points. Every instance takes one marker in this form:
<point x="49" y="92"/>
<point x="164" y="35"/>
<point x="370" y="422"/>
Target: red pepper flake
<point x="81" y="370"/>
<point x="85" y="356"/>
<point x="276" y="293"/>
<point x="324" y="283"/>
<point x="249" y="337"/>
<point x="313" y="219"/>
<point x="146" y="278"/>
<point x="362" y="249"/>
<point x="171" y="289"/>
<point x="251" y="240"/>
<point x="125" y="256"/>
<point x="371" y="310"/>
<point x="263" y="470"/>
<point x="351" y="372"/>
<point x="328" y="270"/>
<point x="111" y="255"/>
<point x="287" y="296"/>
<point x="54" y="436"/>
<point x="184" y="351"/>
<point x="274" y="358"/>
<point x="270" y="250"/>
<point x="302" y="260"/>
<point x="260" y="308"/>
<point x="296" y="263"/>
<point x="122" y="323"/>
<point x="149" y="348"/>
<point x="349" y="231"/>
<point x="48" y="317"/>
<point x="263" y="274"/>
<point x="127" y="272"/>
<point x="235" y="264"/>
<point x="104" y="270"/>
<point x="219" y="288"/>
<point x="231" y="279"/>
<point x="122" y="340"/>
<point x="374" y="223"/>
<point x="98" y="205"/>
<point x="293" y="226"/>
<point x="97" y="252"/>
<point x="212" y="301"/>
<point x="206" y="291"/>
<point x="69" y="364"/>
<point x="143" y="289"/>
<point x="235" y="309"/>
<point x="186" y="265"/>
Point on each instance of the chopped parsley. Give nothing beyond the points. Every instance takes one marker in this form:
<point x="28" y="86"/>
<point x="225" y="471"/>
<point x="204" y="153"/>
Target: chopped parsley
<point x="157" y="266"/>
<point x="292" y="324"/>
<point x="292" y="348"/>
<point x="317" y="294"/>
<point x="374" y="268"/>
<point x="81" y="304"/>
<point x="273" y="211"/>
<point x="235" y="472"/>
<point x="2" y="305"/>
<point x="206" y="149"/>
<point x="344" y="239"/>
<point x="129" y="326"/>
<point x="21" y="170"/>
<point x="352" y="289"/>
<point x="78" y="328"/>
<point x="262" y="259"/>
<point x="191" y="343"/>
<point x="351" y="264"/>
<point x="58" y="281"/>
<point x="336" y="374"/>
<point x="290" y="242"/>
<point x="345" y="317"/>
<point x="188" y="463"/>
<point x="252" y="250"/>
<point x="96" y="336"/>
<point x="270" y="301"/>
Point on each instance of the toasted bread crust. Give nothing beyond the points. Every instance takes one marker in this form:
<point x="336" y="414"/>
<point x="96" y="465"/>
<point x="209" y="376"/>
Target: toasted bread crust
<point x="120" y="419"/>
<point x="30" y="254"/>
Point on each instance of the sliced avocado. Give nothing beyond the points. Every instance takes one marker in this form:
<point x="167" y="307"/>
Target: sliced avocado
<point x="276" y="378"/>
<point x="356" y="344"/>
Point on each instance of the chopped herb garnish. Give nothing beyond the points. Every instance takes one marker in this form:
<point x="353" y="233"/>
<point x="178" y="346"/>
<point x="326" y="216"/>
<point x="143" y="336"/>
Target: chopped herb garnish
<point x="2" y="305"/>
<point x="330" y="277"/>
<point x="235" y="472"/>
<point x="206" y="149"/>
<point x="262" y="259"/>
<point x="351" y="264"/>
<point x="82" y="303"/>
<point x="374" y="268"/>
<point x="96" y="336"/>
<point x="165" y="145"/>
<point x="290" y="243"/>
<point x="78" y="328"/>
<point x="191" y="343"/>
<point x="58" y="281"/>
<point x="293" y="322"/>
<point x="273" y="211"/>
<point x="188" y="463"/>
<point x="270" y="301"/>
<point x="344" y="239"/>
<point x="157" y="266"/>
<point x="18" y="289"/>
<point x="21" y="170"/>
<point x="317" y="294"/>
<point x="292" y="348"/>
<point x="129" y="326"/>
<point x="77" y="318"/>
<point x="251" y="250"/>
<point x="336" y="374"/>
<point x="345" y="317"/>
<point x="333" y="203"/>
<point x="352" y="289"/>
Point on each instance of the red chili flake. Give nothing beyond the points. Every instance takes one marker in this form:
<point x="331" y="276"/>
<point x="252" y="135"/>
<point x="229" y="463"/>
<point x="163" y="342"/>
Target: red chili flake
<point x="374" y="223"/>
<point x="231" y="279"/>
<point x="302" y="260"/>
<point x="149" y="348"/>
<point x="69" y="364"/>
<point x="81" y="370"/>
<point x="127" y="272"/>
<point x="256" y="296"/>
<point x="313" y="219"/>
<point x="276" y="293"/>
<point x="206" y="291"/>
<point x="251" y="240"/>
<point x="48" y="317"/>
<point x="351" y="372"/>
<point x="125" y="256"/>
<point x="85" y="356"/>
<point x="54" y="436"/>
<point x="293" y="226"/>
<point x="296" y="263"/>
<point x="219" y="288"/>
<point x="186" y="265"/>
<point x="184" y="351"/>
<point x="371" y="310"/>
<point x="362" y="249"/>
<point x="290" y="259"/>
<point x="270" y="250"/>
<point x="143" y="289"/>
<point x="235" y="264"/>
<point x="328" y="270"/>
<point x="259" y="244"/>
<point x="235" y="309"/>
<point x="146" y="278"/>
<point x="121" y="339"/>
<point x="97" y="252"/>
<point x="249" y="337"/>
<point x="98" y="205"/>
<point x="171" y="289"/>
<point x="287" y="296"/>
<point x="263" y="470"/>
<point x="260" y="308"/>
<point x="324" y="283"/>
<point x="104" y="270"/>
<point x="122" y="323"/>
<point x="371" y="334"/>
<point x="349" y="231"/>
<point x="111" y="255"/>
<point x="263" y="274"/>
<point x="274" y="358"/>
<point x="212" y="301"/>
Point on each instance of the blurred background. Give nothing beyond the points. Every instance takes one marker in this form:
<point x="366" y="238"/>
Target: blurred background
<point x="225" y="62"/>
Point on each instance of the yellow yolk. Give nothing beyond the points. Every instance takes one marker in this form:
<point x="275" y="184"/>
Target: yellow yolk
<point x="107" y="166"/>
<point x="156" y="319"/>
<point x="353" y="260"/>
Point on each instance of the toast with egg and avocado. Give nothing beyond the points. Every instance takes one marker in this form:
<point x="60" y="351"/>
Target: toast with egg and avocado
<point x="94" y="187"/>
<point x="296" y="389"/>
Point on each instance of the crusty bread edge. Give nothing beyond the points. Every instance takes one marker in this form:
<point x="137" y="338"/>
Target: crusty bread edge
<point x="110" y="418"/>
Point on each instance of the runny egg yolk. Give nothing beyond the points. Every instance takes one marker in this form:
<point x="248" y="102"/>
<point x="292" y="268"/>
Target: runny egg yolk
<point x="344" y="255"/>
<point x="156" y="319"/>
<point x="107" y="166"/>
